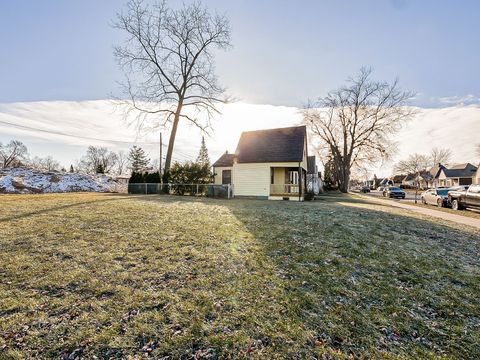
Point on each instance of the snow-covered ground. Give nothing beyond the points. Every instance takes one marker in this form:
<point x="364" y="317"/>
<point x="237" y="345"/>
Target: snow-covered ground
<point x="28" y="181"/>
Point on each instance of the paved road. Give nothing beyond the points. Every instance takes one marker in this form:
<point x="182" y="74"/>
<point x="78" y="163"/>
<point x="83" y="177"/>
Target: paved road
<point x="403" y="204"/>
<point x="408" y="197"/>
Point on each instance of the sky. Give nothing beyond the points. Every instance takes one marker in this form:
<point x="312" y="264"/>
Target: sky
<point x="284" y="53"/>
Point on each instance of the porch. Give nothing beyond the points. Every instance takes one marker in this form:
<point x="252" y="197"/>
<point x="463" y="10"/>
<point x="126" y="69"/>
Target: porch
<point x="287" y="183"/>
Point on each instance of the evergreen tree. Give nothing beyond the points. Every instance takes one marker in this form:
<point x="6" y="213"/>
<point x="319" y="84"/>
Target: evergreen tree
<point x="202" y="157"/>
<point x="71" y="168"/>
<point x="138" y="159"/>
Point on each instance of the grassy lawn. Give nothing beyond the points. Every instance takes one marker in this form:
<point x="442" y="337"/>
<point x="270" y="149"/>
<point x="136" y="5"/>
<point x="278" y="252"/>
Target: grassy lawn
<point x="118" y="277"/>
<point x="473" y="213"/>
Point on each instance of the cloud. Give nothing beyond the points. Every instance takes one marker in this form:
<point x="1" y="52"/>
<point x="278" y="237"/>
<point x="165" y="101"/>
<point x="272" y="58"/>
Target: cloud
<point x="97" y="123"/>
<point x="459" y="100"/>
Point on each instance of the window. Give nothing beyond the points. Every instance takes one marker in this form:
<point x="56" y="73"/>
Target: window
<point x="272" y="176"/>
<point x="475" y="189"/>
<point x="226" y="177"/>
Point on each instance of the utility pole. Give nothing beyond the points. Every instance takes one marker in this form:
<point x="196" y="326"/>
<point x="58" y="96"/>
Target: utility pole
<point x="160" y="161"/>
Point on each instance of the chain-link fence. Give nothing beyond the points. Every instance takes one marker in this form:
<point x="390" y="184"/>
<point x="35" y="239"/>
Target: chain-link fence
<point x="207" y="190"/>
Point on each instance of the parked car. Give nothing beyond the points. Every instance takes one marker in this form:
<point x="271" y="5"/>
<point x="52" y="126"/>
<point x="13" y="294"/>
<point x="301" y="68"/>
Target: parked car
<point x="381" y="188"/>
<point x="459" y="188"/>
<point x="463" y="199"/>
<point x="438" y="197"/>
<point x="394" y="192"/>
<point x="365" y="189"/>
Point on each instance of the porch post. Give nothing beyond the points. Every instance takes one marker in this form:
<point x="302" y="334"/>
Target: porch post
<point x="300" y="180"/>
<point x="305" y="183"/>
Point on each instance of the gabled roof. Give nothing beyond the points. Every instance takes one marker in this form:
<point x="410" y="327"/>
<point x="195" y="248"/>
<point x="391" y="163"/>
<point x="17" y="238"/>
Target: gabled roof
<point x="398" y="178"/>
<point x="272" y="145"/>
<point x="435" y="170"/>
<point x="460" y="171"/>
<point x="464" y="166"/>
<point x="225" y="160"/>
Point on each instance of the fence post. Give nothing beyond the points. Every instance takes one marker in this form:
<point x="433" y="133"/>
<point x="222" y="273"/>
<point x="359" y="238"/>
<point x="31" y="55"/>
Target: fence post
<point x="146" y="189"/>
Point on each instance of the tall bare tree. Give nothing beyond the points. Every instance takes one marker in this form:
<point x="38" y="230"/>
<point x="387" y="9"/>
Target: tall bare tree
<point x="12" y="153"/>
<point x="122" y="162"/>
<point x="169" y="64"/>
<point x="98" y="158"/>
<point x="415" y="164"/>
<point x="356" y="122"/>
<point x="440" y="156"/>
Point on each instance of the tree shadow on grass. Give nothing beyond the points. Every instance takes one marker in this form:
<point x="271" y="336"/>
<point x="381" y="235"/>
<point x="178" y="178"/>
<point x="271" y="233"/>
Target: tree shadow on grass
<point x="365" y="282"/>
<point x="58" y="208"/>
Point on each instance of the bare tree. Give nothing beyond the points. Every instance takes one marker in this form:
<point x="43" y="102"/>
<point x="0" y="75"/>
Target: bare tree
<point x="355" y="123"/>
<point x="45" y="164"/>
<point x="122" y="162"/>
<point x="98" y="158"/>
<point x="440" y="156"/>
<point x="169" y="65"/>
<point x="13" y="153"/>
<point x="415" y="164"/>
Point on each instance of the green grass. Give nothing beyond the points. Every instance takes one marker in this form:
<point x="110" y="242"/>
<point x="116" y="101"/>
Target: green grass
<point x="118" y="277"/>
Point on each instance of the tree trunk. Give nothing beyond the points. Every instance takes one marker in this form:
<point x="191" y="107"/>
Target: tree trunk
<point x="171" y="142"/>
<point x="344" y="179"/>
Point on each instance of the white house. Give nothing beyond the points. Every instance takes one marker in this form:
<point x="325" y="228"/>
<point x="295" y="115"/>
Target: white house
<point x="268" y="164"/>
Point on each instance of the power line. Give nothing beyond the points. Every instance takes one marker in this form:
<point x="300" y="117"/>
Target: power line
<point x="74" y="136"/>
<point x="185" y="156"/>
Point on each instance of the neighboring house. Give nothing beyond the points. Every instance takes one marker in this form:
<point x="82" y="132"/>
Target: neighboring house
<point x="424" y="179"/>
<point x="122" y="179"/>
<point x="435" y="174"/>
<point x="222" y="169"/>
<point x="460" y="174"/>
<point x="397" y="180"/>
<point x="477" y="175"/>
<point x="409" y="180"/>
<point x="314" y="181"/>
<point x="268" y="164"/>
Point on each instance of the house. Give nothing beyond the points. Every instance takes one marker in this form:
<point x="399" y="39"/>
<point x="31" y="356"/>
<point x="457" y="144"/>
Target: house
<point x="314" y="181"/>
<point x="122" y="179"/>
<point x="423" y="179"/>
<point x="435" y="173"/>
<point x="459" y="174"/>
<point x="397" y="180"/>
<point x="268" y="164"/>
<point x="477" y="175"/>
<point x="222" y="169"/>
<point x="409" y="180"/>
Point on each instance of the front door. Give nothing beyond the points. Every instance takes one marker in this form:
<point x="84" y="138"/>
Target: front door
<point x="293" y="179"/>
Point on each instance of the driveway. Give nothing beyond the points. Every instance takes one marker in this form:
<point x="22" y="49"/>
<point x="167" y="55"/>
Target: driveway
<point x="403" y="204"/>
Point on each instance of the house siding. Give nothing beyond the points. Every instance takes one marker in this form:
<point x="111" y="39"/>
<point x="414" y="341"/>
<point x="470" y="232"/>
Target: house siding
<point x="253" y="179"/>
<point x="218" y="174"/>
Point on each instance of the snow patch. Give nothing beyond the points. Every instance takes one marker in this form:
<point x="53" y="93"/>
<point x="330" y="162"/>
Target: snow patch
<point x="28" y="181"/>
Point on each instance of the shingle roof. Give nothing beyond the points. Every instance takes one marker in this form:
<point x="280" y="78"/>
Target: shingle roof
<point x="435" y="170"/>
<point x="225" y="160"/>
<point x="398" y="178"/>
<point x="272" y="145"/>
<point x="459" y="173"/>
